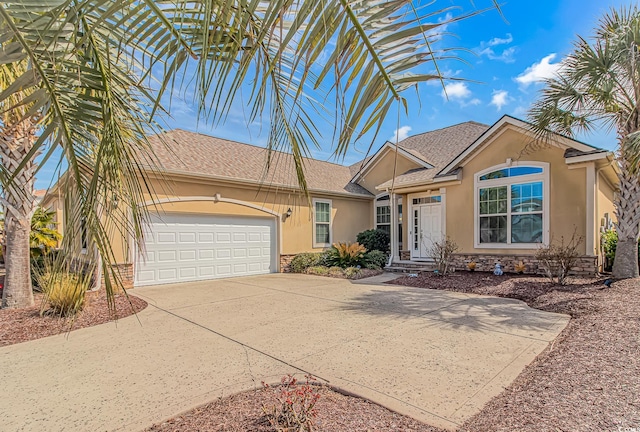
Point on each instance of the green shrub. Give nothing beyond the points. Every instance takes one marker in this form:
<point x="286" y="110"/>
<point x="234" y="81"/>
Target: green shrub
<point x="351" y="272"/>
<point x="609" y="245"/>
<point x="345" y="255"/>
<point x="303" y="261"/>
<point x="375" y="259"/>
<point x="335" y="271"/>
<point x="374" y="240"/>
<point x="318" y="270"/>
<point x="64" y="292"/>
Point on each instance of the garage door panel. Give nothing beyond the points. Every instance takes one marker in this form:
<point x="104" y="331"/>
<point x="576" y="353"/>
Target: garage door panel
<point x="166" y="237"/>
<point x="182" y="248"/>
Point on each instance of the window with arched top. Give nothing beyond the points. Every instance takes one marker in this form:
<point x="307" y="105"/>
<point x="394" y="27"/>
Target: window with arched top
<point x="511" y="206"/>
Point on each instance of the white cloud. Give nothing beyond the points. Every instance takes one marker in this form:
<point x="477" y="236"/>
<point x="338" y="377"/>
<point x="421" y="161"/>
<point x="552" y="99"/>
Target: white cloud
<point x="456" y="90"/>
<point x="488" y="48"/>
<point x="499" y="99"/>
<point x="501" y="41"/>
<point x="539" y="71"/>
<point x="444" y="22"/>
<point x="505" y="56"/>
<point x="472" y="102"/>
<point x="400" y="134"/>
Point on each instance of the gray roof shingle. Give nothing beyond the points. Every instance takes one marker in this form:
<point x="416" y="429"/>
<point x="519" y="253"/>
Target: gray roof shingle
<point x="438" y="147"/>
<point x="196" y="153"/>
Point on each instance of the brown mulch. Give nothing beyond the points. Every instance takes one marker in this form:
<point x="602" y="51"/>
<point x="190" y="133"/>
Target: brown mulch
<point x="587" y="380"/>
<point x="23" y="325"/>
<point x="335" y="412"/>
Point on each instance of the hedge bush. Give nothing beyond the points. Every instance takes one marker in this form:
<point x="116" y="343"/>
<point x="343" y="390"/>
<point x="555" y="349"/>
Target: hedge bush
<point x="375" y="259"/>
<point x="374" y="239"/>
<point x="303" y="261"/>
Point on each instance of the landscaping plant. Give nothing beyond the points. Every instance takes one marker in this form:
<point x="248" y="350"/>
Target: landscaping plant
<point x="374" y="240"/>
<point x="375" y="259"/>
<point x="442" y="253"/>
<point x="345" y="255"/>
<point x="43" y="238"/>
<point x="303" y="261"/>
<point x="64" y="291"/>
<point x="294" y="410"/>
<point x="557" y="260"/>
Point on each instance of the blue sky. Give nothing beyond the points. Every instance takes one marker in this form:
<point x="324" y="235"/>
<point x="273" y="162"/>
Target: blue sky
<point x="510" y="55"/>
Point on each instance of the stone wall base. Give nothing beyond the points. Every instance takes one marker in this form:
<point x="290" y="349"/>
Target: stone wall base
<point x="285" y="262"/>
<point x="125" y="272"/>
<point x="586" y="266"/>
<point x="405" y="255"/>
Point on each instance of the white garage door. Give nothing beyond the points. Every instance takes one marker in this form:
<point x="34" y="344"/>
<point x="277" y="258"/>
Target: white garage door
<point x="182" y="248"/>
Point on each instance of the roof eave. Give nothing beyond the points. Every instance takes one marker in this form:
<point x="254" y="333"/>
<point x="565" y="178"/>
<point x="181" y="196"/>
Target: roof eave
<point x="246" y="182"/>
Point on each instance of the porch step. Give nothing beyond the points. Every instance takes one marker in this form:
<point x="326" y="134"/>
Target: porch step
<point x="411" y="267"/>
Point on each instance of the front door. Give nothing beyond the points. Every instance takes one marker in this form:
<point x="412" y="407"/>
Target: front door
<point x="429" y="228"/>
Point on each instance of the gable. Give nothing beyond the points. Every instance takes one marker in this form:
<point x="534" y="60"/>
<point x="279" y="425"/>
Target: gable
<point x="511" y="146"/>
<point x="380" y="168"/>
<point x="526" y="141"/>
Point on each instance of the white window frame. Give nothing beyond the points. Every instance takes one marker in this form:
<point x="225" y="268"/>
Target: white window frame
<point x="387" y="203"/>
<point x="382" y="203"/>
<point x="325" y="201"/>
<point x="508" y="181"/>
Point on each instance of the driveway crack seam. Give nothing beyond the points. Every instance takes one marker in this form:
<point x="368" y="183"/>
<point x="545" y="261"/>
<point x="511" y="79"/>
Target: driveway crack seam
<point x="242" y="344"/>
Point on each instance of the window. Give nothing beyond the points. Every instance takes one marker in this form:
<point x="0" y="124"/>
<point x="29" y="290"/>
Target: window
<point x="511" y="207"/>
<point x="321" y="223"/>
<point x="383" y="216"/>
<point x="427" y="200"/>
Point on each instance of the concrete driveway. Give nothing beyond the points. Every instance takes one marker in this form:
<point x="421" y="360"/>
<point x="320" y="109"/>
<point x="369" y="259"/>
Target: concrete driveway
<point x="434" y="355"/>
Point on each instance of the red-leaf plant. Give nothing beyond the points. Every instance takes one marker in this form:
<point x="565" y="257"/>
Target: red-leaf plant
<point x="294" y="410"/>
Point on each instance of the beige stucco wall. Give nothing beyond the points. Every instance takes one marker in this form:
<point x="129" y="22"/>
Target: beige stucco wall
<point x="349" y="216"/>
<point x="383" y="170"/>
<point x="604" y="202"/>
<point x="567" y="193"/>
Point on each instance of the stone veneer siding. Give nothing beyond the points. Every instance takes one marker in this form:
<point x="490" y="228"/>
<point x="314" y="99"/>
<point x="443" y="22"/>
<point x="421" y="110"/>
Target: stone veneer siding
<point x="126" y="274"/>
<point x="285" y="261"/>
<point x="405" y="255"/>
<point x="586" y="265"/>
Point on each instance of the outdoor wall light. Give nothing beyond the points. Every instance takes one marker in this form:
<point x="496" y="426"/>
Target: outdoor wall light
<point x="287" y="215"/>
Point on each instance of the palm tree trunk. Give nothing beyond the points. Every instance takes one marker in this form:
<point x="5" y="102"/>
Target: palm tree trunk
<point x="627" y="212"/>
<point x="19" y="203"/>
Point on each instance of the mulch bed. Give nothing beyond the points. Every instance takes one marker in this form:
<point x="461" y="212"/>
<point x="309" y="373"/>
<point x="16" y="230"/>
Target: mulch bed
<point x="335" y="412"/>
<point x="23" y="325"/>
<point x="587" y="380"/>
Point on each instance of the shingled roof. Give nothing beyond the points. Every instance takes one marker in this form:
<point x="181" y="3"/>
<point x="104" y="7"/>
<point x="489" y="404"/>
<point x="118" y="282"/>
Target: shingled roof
<point x="438" y="147"/>
<point x="196" y="153"/>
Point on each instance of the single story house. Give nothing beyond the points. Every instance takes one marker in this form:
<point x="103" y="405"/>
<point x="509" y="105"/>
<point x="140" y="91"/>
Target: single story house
<point x="495" y="191"/>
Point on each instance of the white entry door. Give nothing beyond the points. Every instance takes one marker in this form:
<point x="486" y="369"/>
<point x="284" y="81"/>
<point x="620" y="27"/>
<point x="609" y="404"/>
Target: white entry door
<point x="186" y="247"/>
<point x="429" y="229"/>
